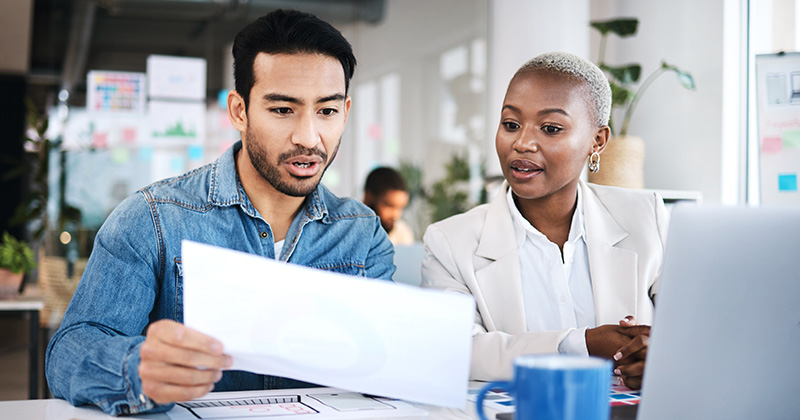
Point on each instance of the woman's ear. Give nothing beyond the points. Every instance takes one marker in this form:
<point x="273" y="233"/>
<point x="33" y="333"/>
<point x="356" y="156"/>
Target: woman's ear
<point x="601" y="138"/>
<point x="237" y="111"/>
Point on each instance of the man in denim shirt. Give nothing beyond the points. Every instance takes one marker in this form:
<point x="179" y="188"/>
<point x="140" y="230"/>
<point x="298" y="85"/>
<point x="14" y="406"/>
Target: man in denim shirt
<point x="121" y="344"/>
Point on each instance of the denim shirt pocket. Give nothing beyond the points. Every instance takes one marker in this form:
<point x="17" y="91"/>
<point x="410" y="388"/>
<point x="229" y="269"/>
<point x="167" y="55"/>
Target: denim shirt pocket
<point x="346" y="267"/>
<point x="178" y="290"/>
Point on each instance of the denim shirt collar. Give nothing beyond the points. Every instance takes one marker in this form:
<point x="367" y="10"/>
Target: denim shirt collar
<point x="226" y="189"/>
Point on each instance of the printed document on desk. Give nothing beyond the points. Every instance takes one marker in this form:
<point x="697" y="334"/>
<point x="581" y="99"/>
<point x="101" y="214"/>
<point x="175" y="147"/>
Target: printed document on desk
<point x="341" y="331"/>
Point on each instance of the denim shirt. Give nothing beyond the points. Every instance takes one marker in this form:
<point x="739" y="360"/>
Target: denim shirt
<point x="133" y="276"/>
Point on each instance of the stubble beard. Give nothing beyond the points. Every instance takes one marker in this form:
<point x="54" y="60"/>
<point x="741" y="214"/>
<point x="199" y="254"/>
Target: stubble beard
<point x="272" y="174"/>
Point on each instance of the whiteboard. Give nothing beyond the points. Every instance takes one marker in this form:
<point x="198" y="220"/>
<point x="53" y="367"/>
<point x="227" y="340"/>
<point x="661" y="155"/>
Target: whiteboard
<point x="778" y="109"/>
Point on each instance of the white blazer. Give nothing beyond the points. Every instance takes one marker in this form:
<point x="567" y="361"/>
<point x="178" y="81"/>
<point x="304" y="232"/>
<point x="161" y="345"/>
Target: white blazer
<point x="475" y="253"/>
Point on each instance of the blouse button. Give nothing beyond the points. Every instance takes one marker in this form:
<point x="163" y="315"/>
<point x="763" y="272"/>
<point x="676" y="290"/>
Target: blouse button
<point x="264" y="235"/>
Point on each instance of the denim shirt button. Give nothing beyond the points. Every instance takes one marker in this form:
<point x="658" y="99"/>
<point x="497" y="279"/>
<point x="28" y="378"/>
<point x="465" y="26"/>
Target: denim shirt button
<point x="264" y="235"/>
<point x="142" y="398"/>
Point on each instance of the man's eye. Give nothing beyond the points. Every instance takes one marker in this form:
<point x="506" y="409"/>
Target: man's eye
<point x="282" y="111"/>
<point x="510" y="125"/>
<point x="551" y="129"/>
<point x="329" y="111"/>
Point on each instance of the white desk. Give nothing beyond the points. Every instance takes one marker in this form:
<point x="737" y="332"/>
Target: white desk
<point x="30" y="306"/>
<point x="53" y="409"/>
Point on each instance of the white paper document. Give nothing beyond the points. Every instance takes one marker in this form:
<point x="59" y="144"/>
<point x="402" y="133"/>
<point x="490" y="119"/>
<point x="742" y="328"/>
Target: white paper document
<point x="330" y="329"/>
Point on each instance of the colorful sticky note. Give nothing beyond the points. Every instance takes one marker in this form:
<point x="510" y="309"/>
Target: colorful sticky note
<point x="222" y="99"/>
<point x="375" y="131"/>
<point x="99" y="140"/>
<point x="791" y="139"/>
<point x="771" y="145"/>
<point x="195" y="152"/>
<point x="129" y="135"/>
<point x="146" y="154"/>
<point x="332" y="178"/>
<point x="120" y="155"/>
<point x="787" y="182"/>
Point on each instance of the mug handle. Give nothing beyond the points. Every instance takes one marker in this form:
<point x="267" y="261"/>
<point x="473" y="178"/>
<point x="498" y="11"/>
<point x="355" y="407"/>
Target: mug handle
<point x="505" y="385"/>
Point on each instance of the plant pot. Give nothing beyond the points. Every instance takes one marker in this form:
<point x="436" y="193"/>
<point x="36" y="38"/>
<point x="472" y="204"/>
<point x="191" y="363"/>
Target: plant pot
<point x="10" y="283"/>
<point x="621" y="163"/>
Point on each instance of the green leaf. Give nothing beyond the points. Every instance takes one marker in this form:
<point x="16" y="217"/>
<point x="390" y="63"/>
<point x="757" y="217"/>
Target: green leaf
<point x="686" y="80"/>
<point x="620" y="95"/>
<point x="625" y="75"/>
<point x="15" y="255"/>
<point x="623" y="27"/>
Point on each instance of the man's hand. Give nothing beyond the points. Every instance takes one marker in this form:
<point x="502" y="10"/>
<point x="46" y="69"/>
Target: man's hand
<point x="179" y="363"/>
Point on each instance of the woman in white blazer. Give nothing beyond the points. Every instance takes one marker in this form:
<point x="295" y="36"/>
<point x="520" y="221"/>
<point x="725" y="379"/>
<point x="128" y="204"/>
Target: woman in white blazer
<point x="554" y="264"/>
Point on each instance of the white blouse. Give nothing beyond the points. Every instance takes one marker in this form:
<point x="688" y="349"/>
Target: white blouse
<point x="557" y="293"/>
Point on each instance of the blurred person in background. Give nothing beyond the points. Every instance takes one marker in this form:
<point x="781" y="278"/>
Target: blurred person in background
<point x="386" y="193"/>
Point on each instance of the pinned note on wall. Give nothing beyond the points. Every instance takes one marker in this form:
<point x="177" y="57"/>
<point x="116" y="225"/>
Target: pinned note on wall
<point x="787" y="182"/>
<point x="778" y="109"/>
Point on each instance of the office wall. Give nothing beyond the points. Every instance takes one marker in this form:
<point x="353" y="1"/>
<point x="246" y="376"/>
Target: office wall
<point x="520" y="30"/>
<point x="682" y="129"/>
<point x="397" y="88"/>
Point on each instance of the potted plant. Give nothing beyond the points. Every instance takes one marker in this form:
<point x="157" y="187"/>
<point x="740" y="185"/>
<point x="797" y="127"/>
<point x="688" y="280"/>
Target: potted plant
<point x="16" y="260"/>
<point x="623" y="157"/>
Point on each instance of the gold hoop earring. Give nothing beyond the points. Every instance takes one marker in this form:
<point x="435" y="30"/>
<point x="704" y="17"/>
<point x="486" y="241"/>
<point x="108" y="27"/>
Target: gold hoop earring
<point x="594" y="162"/>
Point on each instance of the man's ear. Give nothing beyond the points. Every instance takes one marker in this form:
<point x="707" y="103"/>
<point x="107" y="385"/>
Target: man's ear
<point x="237" y="111"/>
<point x="601" y="138"/>
<point x="347" y="103"/>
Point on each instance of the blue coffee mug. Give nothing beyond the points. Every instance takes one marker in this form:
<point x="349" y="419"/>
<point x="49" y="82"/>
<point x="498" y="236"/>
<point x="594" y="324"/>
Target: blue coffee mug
<point x="556" y="387"/>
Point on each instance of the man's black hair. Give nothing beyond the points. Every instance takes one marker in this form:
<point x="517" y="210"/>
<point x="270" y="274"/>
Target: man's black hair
<point x="384" y="179"/>
<point x="287" y="32"/>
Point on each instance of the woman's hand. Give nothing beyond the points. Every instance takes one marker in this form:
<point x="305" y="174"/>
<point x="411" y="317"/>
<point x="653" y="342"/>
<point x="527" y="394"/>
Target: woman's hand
<point x="626" y="344"/>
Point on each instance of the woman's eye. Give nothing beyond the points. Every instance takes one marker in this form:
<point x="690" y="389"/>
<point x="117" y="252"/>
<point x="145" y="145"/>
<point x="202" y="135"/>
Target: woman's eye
<point x="510" y="125"/>
<point x="328" y="111"/>
<point x="551" y="129"/>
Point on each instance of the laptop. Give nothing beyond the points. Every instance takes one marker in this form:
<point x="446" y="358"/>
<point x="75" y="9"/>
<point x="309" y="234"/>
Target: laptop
<point x="725" y="341"/>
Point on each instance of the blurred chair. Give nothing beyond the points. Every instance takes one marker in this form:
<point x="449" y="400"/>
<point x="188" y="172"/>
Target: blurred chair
<point x="57" y="287"/>
<point x="408" y="260"/>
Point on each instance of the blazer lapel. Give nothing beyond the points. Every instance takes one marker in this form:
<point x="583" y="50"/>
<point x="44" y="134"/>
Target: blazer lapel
<point x="613" y="269"/>
<point x="497" y="272"/>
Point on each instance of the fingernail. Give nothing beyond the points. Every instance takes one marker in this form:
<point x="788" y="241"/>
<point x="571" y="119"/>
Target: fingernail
<point x="219" y="376"/>
<point x="216" y="347"/>
<point x="617" y="372"/>
<point x="618" y="356"/>
<point x="228" y="361"/>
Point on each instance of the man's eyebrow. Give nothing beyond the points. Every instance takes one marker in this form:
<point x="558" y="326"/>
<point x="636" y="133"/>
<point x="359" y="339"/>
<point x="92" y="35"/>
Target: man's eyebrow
<point x="334" y="97"/>
<point x="277" y="97"/>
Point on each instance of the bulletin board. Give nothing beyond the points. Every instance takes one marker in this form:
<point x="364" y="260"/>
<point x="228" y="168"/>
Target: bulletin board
<point x="778" y="110"/>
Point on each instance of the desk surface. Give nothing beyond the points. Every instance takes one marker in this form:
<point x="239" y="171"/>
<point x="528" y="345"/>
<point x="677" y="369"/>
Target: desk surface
<point x="54" y="409"/>
<point x="21" y="304"/>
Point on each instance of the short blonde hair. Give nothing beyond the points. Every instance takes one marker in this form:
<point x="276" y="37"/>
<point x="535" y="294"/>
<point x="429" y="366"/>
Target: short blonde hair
<point x="579" y="69"/>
